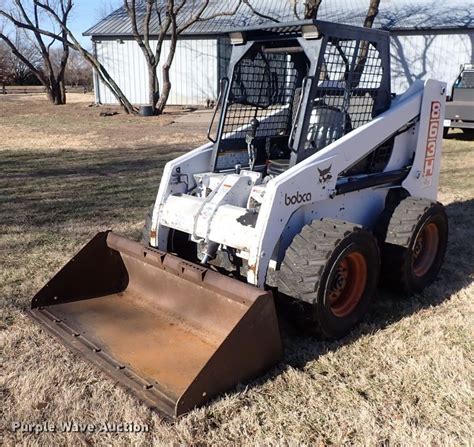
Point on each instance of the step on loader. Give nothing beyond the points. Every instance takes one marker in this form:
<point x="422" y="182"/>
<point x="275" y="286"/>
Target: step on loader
<point x="316" y="182"/>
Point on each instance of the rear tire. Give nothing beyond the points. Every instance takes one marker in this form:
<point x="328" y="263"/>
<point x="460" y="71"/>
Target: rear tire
<point x="415" y="244"/>
<point x="330" y="272"/>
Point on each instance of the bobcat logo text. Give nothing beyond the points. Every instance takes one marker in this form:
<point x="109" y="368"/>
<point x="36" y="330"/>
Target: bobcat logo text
<point x="297" y="198"/>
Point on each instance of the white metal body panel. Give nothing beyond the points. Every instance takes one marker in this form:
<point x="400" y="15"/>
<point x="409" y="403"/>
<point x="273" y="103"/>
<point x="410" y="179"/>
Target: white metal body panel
<point x="423" y="178"/>
<point x="184" y="168"/>
<point x="424" y="56"/>
<point x="275" y="212"/>
<point x="194" y="72"/>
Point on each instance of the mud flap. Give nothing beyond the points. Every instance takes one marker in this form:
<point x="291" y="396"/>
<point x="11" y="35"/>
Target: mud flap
<point x="174" y="333"/>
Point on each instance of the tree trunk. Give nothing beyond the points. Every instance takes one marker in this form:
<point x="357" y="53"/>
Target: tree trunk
<point x="108" y="81"/>
<point x="364" y="44"/>
<point x="152" y="86"/>
<point x="372" y="13"/>
<point x="62" y="88"/>
<point x="166" y="84"/>
<point x="56" y="93"/>
<point x="311" y="9"/>
<point x="165" y="90"/>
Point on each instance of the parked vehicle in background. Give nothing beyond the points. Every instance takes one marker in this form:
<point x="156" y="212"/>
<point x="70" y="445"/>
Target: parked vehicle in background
<point x="460" y="105"/>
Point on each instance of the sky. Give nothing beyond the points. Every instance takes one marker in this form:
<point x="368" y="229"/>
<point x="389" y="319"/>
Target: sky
<point x="87" y="13"/>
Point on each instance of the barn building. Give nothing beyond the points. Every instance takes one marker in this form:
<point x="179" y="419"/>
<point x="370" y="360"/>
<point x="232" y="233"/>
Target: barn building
<point x="430" y="39"/>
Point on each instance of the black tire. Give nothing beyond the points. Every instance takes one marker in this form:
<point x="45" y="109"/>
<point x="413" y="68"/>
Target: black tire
<point x="415" y="244"/>
<point x="312" y="276"/>
<point x="469" y="132"/>
<point x="445" y="132"/>
<point x="178" y="243"/>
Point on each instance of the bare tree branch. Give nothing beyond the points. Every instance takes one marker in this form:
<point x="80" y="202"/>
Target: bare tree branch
<point x="174" y="18"/>
<point x="258" y="13"/>
<point x="311" y="8"/>
<point x="372" y="13"/>
<point x="26" y="61"/>
<point x="67" y="38"/>
<point x="53" y="80"/>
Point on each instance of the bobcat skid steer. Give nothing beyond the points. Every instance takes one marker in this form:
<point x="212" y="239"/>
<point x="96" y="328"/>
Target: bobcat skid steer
<point x="316" y="181"/>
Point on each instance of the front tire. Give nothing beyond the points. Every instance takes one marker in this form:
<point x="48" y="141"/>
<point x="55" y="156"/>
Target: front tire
<point x="330" y="271"/>
<point x="178" y="242"/>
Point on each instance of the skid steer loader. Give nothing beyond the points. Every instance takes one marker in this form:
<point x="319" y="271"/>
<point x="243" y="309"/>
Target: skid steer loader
<point x="315" y="182"/>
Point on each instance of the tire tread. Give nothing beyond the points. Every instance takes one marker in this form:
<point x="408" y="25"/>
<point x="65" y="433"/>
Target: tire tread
<point x="308" y="254"/>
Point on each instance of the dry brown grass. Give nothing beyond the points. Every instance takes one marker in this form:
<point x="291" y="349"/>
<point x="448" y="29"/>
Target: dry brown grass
<point x="402" y="378"/>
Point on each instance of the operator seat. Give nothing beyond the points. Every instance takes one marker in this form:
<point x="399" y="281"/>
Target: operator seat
<point x="327" y="124"/>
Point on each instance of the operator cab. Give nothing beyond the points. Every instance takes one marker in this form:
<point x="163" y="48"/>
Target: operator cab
<point x="294" y="90"/>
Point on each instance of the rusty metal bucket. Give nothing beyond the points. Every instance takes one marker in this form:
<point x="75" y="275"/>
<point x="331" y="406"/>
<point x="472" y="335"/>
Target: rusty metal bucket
<point x="174" y="333"/>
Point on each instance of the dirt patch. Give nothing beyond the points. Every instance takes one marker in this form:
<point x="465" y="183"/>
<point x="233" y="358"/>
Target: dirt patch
<point x="28" y="121"/>
<point x="402" y="378"/>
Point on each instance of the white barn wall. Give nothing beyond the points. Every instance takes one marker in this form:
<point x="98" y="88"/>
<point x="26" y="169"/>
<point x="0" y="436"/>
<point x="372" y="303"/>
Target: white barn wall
<point x="193" y="74"/>
<point x="196" y="70"/>
<point x="126" y="65"/>
<point x="426" y="56"/>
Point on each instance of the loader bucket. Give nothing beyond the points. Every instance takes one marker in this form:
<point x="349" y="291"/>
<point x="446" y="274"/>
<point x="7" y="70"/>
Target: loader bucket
<point x="174" y="333"/>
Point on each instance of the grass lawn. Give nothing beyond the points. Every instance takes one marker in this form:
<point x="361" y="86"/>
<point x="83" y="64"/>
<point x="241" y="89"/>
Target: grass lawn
<point x="402" y="378"/>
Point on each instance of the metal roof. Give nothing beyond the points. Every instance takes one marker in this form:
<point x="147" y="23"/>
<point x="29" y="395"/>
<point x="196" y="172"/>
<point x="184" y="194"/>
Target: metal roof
<point x="394" y="15"/>
<point x="296" y="28"/>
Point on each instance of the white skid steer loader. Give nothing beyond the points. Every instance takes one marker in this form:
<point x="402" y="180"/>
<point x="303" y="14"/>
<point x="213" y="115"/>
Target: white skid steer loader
<point x="316" y="182"/>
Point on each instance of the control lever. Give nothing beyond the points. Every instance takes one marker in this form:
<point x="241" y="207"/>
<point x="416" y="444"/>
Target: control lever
<point x="249" y="139"/>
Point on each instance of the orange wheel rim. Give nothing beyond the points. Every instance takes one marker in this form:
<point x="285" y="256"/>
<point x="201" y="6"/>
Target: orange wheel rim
<point x="425" y="249"/>
<point x="348" y="284"/>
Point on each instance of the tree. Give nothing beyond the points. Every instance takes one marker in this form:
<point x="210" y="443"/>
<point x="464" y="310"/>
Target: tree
<point x="78" y="72"/>
<point x="371" y="13"/>
<point x="365" y="45"/>
<point x="173" y="18"/>
<point x="104" y="9"/>
<point x="310" y="9"/>
<point x="63" y="36"/>
<point x="21" y="73"/>
<point x="5" y="67"/>
<point x="31" y="14"/>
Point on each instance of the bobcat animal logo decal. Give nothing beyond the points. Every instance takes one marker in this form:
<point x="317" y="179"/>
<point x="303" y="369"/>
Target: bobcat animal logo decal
<point x="325" y="174"/>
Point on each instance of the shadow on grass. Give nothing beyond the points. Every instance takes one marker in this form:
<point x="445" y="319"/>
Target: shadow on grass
<point x="40" y="189"/>
<point x="110" y="186"/>
<point x="389" y="306"/>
